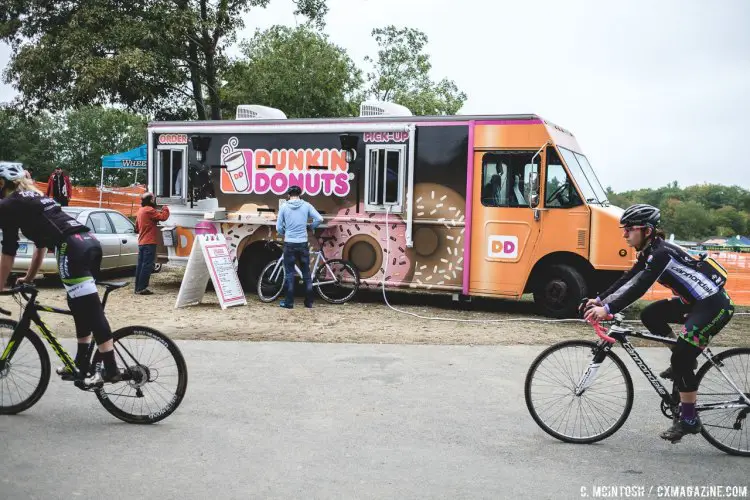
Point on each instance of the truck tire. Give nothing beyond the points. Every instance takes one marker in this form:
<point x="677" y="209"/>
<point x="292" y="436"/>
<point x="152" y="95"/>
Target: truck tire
<point x="252" y="262"/>
<point x="559" y="290"/>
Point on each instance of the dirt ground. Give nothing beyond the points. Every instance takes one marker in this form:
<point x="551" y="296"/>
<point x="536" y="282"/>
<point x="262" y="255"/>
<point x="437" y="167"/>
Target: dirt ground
<point x="365" y="320"/>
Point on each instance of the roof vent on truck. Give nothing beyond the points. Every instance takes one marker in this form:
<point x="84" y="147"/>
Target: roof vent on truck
<point x="257" y="112"/>
<point x="382" y="108"/>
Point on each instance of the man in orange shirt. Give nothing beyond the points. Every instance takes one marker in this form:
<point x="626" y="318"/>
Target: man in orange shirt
<point x="145" y="226"/>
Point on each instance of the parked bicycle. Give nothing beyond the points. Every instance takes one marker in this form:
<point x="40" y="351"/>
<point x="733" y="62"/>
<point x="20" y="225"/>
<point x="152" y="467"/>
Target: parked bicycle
<point x="155" y="374"/>
<point x="580" y="391"/>
<point x="335" y="280"/>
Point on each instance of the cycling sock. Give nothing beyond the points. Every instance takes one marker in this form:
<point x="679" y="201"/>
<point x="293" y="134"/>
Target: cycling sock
<point x="110" y="364"/>
<point x="82" y="356"/>
<point x="687" y="413"/>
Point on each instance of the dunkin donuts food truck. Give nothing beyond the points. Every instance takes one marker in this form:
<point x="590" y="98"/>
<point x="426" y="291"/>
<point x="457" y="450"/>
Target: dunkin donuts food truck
<point x="491" y="206"/>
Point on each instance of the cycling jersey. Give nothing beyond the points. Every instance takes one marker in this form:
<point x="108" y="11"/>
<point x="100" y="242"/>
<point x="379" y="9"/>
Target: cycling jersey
<point x="39" y="218"/>
<point x="669" y="265"/>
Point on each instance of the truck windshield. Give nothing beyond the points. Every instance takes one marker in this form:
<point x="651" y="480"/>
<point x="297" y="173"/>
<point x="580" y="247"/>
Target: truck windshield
<point x="585" y="177"/>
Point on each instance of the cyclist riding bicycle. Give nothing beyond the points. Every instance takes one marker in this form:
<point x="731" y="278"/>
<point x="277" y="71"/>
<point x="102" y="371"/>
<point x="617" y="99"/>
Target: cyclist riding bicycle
<point x="42" y="221"/>
<point x="701" y="304"/>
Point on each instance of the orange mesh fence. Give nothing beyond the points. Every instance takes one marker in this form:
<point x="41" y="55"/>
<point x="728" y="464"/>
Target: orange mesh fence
<point x="125" y="200"/>
<point x="738" y="285"/>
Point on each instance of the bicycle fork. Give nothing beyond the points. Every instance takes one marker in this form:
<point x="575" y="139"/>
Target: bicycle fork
<point x="590" y="374"/>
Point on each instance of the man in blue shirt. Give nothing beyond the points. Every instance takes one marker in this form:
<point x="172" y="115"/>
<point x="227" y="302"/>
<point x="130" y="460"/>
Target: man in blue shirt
<point x="292" y="225"/>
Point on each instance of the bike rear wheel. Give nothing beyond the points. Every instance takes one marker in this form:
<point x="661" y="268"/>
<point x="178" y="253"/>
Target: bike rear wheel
<point x="25" y="377"/>
<point x="271" y="282"/>
<point x="336" y="281"/>
<point x="595" y="414"/>
<point x="158" y="376"/>
<point x="728" y="429"/>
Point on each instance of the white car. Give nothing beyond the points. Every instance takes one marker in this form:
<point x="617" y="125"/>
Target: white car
<point x="114" y="231"/>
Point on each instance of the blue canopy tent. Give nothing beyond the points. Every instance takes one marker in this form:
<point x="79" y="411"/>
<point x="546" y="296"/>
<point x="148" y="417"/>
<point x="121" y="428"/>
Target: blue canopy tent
<point x="135" y="158"/>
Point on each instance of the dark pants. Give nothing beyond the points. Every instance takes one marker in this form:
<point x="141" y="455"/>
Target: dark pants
<point x="702" y="321"/>
<point x="297" y="252"/>
<point x="146" y="259"/>
<point x="62" y="201"/>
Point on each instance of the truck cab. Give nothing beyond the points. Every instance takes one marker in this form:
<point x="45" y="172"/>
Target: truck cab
<point x="541" y="221"/>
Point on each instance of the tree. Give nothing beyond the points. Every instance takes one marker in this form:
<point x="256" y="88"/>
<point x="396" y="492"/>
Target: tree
<point x="87" y="134"/>
<point x="141" y="54"/>
<point x="28" y="139"/>
<point x="729" y="221"/>
<point x="297" y="70"/>
<point x="401" y="74"/>
<point x="686" y="219"/>
<point x="618" y="200"/>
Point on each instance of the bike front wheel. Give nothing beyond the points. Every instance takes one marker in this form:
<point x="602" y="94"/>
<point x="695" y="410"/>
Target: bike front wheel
<point x="336" y="281"/>
<point x="156" y="376"/>
<point x="724" y="413"/>
<point x="557" y="403"/>
<point x="271" y="282"/>
<point x="23" y="378"/>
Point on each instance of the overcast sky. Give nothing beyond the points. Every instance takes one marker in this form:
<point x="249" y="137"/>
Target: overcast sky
<point x="654" y="91"/>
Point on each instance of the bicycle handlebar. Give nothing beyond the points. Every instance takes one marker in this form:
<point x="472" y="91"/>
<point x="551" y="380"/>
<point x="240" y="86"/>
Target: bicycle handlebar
<point x="601" y="331"/>
<point x="25" y="290"/>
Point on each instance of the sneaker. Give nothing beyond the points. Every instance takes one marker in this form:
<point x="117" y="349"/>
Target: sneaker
<point x="102" y="377"/>
<point x="667" y="374"/>
<point x="681" y="428"/>
<point x="145" y="291"/>
<point x="283" y="304"/>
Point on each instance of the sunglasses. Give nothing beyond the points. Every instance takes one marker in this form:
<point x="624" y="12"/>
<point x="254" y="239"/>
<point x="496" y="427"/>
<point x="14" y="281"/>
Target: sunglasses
<point x="627" y="230"/>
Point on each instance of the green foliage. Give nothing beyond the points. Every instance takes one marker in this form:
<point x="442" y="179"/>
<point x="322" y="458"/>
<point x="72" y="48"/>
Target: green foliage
<point x="87" y="134"/>
<point x="75" y="141"/>
<point x="28" y="140"/>
<point x="297" y="70"/>
<point x="144" y="55"/>
<point x="401" y="73"/>
<point x="301" y="72"/>
<point x="695" y="212"/>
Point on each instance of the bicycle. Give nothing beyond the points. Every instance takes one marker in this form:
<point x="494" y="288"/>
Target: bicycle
<point x="575" y="375"/>
<point x="335" y="280"/>
<point x="148" y="383"/>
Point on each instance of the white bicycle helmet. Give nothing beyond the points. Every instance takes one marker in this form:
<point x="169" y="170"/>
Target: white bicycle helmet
<point x="11" y="171"/>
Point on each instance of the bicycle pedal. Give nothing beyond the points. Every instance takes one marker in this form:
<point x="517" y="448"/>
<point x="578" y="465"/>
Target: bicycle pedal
<point x="81" y="385"/>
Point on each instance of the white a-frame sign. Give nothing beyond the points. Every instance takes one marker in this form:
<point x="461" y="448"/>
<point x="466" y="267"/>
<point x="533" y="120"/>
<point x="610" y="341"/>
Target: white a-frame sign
<point x="210" y="259"/>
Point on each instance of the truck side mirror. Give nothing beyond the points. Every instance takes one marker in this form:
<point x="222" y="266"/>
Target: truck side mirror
<point x="534" y="195"/>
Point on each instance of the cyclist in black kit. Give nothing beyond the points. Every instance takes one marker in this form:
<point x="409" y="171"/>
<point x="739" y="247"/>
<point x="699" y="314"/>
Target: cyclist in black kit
<point x="42" y="221"/>
<point x="700" y="303"/>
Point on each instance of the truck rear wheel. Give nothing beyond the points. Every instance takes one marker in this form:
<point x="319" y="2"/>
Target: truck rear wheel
<point x="559" y="290"/>
<point x="252" y="261"/>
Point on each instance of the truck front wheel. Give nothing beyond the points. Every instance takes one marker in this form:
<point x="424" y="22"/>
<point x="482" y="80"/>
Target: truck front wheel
<point x="559" y="290"/>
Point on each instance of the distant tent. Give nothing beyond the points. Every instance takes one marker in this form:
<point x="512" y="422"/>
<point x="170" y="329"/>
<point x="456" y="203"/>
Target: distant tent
<point x="716" y="242"/>
<point x="135" y="159"/>
<point x="737" y="241"/>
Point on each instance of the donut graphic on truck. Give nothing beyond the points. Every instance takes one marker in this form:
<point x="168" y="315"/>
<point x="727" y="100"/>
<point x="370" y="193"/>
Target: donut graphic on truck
<point x="491" y="206"/>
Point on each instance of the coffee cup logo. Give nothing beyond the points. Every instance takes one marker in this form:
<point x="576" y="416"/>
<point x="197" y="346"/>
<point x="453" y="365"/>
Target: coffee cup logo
<point x="235" y="163"/>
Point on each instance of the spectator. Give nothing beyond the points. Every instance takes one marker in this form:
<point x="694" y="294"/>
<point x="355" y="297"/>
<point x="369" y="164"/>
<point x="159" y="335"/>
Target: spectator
<point x="292" y="225"/>
<point x="145" y="226"/>
<point x="59" y="188"/>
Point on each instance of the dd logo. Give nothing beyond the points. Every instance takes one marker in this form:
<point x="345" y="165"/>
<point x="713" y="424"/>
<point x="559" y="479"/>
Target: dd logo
<point x="502" y="247"/>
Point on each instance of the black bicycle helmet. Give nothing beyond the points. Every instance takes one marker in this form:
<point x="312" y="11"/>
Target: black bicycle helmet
<point x="294" y="191"/>
<point x="641" y="215"/>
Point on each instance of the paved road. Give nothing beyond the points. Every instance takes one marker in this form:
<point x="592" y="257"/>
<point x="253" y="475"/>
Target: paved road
<point x="297" y="420"/>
